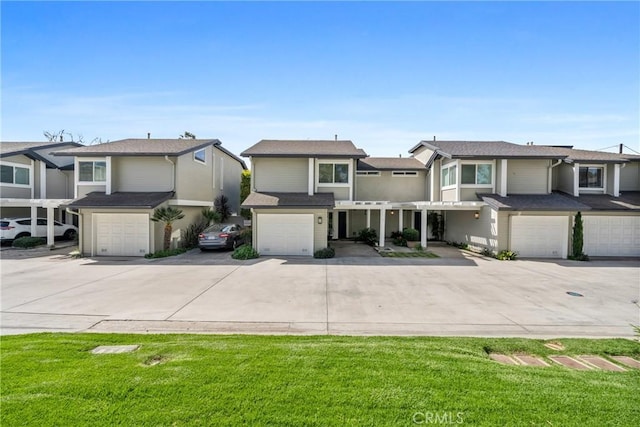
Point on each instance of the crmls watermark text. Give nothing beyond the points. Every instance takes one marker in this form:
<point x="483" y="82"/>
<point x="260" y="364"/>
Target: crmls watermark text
<point x="438" y="417"/>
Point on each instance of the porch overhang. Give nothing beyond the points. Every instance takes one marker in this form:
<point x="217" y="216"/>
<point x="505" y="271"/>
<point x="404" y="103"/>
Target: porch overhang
<point x="37" y="203"/>
<point x="417" y="205"/>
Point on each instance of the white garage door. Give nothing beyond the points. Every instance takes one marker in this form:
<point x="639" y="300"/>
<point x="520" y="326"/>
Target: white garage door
<point x="611" y="235"/>
<point x="121" y="234"/>
<point x="540" y="236"/>
<point x="285" y="234"/>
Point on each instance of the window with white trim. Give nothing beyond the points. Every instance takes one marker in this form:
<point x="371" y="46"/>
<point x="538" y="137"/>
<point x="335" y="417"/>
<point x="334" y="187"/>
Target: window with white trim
<point x="591" y="177"/>
<point x="368" y="173"/>
<point x="449" y="177"/>
<point x="404" y="173"/>
<point x="92" y="171"/>
<point x="476" y="174"/>
<point x="16" y="175"/>
<point x="333" y="173"/>
<point x="200" y="156"/>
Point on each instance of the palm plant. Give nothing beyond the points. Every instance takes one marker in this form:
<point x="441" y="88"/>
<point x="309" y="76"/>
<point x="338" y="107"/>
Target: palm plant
<point x="167" y="215"/>
<point x="221" y="204"/>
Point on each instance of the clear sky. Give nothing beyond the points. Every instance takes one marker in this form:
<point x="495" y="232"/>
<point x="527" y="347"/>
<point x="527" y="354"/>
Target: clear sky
<point x="385" y="75"/>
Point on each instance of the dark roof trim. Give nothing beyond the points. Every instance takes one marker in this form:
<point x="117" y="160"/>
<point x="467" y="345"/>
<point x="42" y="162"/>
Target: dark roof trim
<point x="37" y="147"/>
<point x="219" y="146"/>
<point x="121" y="200"/>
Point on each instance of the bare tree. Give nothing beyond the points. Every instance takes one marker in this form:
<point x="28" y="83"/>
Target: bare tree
<point x="62" y="135"/>
<point x="187" y="135"/>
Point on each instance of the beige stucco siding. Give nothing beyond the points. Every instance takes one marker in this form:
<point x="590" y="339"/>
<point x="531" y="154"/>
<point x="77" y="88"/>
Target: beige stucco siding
<point x="423" y="154"/>
<point x="320" y="231"/>
<point x="232" y="173"/>
<point x="564" y="174"/>
<point x="461" y="226"/>
<point x="83" y="190"/>
<point x="610" y="179"/>
<point x="388" y="187"/>
<point x="340" y="193"/>
<point x="15" y="192"/>
<point x="630" y="177"/>
<point x="471" y="194"/>
<point x="281" y="174"/>
<point x="59" y="184"/>
<point x="141" y="174"/>
<point x="449" y="195"/>
<point x="23" y="160"/>
<point x="194" y="180"/>
<point x="527" y="176"/>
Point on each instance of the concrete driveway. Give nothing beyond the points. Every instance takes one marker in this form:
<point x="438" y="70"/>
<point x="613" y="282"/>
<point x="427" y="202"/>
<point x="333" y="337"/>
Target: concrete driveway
<point x="460" y="294"/>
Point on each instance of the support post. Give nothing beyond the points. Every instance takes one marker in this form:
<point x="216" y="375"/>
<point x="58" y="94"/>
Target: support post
<point x="423" y="231"/>
<point x="368" y="212"/>
<point x="400" y="220"/>
<point x="383" y="219"/>
<point x="34" y="220"/>
<point x="50" y="224"/>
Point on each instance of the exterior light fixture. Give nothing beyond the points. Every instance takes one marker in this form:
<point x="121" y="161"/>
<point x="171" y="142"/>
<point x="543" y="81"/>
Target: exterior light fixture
<point x="319" y="220"/>
<point x="476" y="215"/>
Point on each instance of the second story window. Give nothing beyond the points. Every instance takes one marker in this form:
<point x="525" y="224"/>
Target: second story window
<point x="200" y="156"/>
<point x="93" y="171"/>
<point x="449" y="177"/>
<point x="15" y="175"/>
<point x="591" y="177"/>
<point x="333" y="173"/>
<point x="478" y="174"/>
<point x="404" y="173"/>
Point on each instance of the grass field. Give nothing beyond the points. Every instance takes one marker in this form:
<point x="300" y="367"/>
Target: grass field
<point x="176" y="380"/>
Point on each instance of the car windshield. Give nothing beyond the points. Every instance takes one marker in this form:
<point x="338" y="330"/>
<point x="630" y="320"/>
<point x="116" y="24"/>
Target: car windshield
<point x="217" y="227"/>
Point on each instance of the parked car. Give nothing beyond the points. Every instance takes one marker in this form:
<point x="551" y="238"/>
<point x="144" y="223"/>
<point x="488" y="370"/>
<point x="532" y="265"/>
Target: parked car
<point x="14" y="228"/>
<point x="218" y="236"/>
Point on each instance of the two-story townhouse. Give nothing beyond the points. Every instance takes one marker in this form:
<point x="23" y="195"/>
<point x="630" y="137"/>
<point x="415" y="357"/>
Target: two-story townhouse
<point x="294" y="187"/>
<point x="35" y="184"/>
<point x="118" y="185"/>
<point x="531" y="194"/>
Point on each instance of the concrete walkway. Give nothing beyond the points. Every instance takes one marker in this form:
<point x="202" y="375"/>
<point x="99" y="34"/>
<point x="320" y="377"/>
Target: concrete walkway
<point x="462" y="294"/>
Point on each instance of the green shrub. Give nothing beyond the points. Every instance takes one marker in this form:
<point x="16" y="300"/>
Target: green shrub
<point x="245" y="251"/>
<point x="189" y="236"/>
<point x="29" y="242"/>
<point x="411" y="234"/>
<point x="247" y="235"/>
<point x="325" y="253"/>
<point x="166" y="253"/>
<point x="419" y="248"/>
<point x="581" y="257"/>
<point x="488" y="252"/>
<point x="400" y="241"/>
<point x="368" y="236"/>
<point x="505" y="255"/>
<point x="461" y="245"/>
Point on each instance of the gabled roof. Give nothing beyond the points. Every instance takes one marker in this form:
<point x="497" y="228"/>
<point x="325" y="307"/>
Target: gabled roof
<point x="304" y="148"/>
<point x="390" y="163"/>
<point x="533" y="202"/>
<point x="140" y="147"/>
<point x="135" y="200"/>
<point x="289" y="200"/>
<point x="230" y="154"/>
<point x="30" y="149"/>
<point x="506" y="150"/>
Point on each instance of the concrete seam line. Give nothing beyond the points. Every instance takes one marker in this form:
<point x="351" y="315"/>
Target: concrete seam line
<point x="326" y="293"/>
<point x="69" y="289"/>
<point x="201" y="293"/>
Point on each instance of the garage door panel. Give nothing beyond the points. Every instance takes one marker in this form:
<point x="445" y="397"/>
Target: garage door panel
<point x="611" y="235"/>
<point x="285" y="234"/>
<point x="540" y="236"/>
<point x="121" y="234"/>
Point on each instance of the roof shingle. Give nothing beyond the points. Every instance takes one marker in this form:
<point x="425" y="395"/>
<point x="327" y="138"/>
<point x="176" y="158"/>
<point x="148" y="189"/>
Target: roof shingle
<point x="289" y="200"/>
<point x="390" y="163"/>
<point x="140" y="147"/>
<point x="304" y="148"/>
<point x="136" y="200"/>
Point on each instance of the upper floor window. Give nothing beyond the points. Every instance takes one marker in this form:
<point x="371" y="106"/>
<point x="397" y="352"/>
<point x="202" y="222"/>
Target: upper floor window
<point x="200" y="156"/>
<point x="591" y="177"/>
<point x="16" y="175"/>
<point x="477" y="174"/>
<point x="92" y="171"/>
<point x="449" y="177"/>
<point x="404" y="173"/>
<point x="333" y="173"/>
<point x="368" y="173"/>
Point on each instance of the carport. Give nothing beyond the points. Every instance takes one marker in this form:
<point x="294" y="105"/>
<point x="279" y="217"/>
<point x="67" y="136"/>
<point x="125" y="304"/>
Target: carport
<point x="34" y="204"/>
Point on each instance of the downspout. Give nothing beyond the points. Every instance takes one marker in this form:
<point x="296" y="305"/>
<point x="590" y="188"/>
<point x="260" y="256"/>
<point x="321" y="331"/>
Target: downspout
<point x="551" y="177"/>
<point x="173" y="172"/>
<point x="80" y="235"/>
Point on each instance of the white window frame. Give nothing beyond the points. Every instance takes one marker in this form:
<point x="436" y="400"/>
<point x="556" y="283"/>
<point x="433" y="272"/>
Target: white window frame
<point x="333" y="163"/>
<point x="492" y="163"/>
<point x="604" y="177"/>
<point x="368" y="173"/>
<point x="404" y="174"/>
<point x="92" y="160"/>
<point x="22" y="166"/>
<point x="449" y="166"/>
<point x="202" y="161"/>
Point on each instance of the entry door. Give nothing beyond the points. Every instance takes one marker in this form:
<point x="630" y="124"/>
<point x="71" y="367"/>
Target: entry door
<point x="342" y="225"/>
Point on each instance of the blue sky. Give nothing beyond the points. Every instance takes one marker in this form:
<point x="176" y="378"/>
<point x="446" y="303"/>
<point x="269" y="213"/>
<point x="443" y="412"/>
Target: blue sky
<point x="385" y="75"/>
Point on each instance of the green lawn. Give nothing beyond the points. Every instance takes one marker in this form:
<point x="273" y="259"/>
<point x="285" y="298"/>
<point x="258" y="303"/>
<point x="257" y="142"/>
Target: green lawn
<point x="53" y="379"/>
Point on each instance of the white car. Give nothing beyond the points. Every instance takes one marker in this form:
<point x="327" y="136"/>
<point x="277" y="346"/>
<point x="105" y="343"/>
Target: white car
<point x="14" y="228"/>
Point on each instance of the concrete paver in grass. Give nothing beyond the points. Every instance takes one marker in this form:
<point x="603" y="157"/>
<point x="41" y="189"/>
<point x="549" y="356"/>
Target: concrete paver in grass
<point x="503" y="358"/>
<point x="528" y="360"/>
<point x="601" y="363"/>
<point x="570" y="362"/>
<point x="114" y="349"/>
<point x="626" y="360"/>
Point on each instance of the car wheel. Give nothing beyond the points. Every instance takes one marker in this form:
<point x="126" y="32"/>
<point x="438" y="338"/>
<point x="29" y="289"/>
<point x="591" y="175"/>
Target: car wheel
<point x="235" y="244"/>
<point x="23" y="235"/>
<point x="70" y="235"/>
